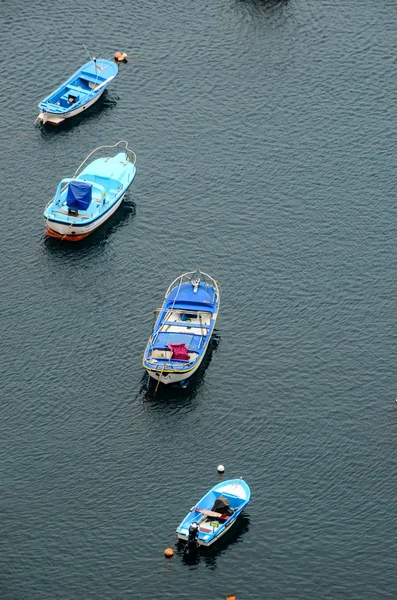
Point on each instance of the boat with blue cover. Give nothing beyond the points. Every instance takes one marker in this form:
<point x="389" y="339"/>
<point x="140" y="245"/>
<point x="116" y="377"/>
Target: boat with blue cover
<point x="85" y="201"/>
<point x="214" y="514"/>
<point x="79" y="92"/>
<point x="183" y="328"/>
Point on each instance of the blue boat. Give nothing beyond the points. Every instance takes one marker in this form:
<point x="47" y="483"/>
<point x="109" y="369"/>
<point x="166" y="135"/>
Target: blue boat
<point x="183" y="328"/>
<point x="79" y="92"/>
<point x="214" y="514"/>
<point x="85" y="201"/>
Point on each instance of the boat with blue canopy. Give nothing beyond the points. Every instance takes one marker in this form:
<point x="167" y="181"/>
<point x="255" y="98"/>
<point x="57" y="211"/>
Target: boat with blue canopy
<point x="214" y="514"/>
<point x="79" y="92"/>
<point x="85" y="201"/>
<point x="183" y="328"/>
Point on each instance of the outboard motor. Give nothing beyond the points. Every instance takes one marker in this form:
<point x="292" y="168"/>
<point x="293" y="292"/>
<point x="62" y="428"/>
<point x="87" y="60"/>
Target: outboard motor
<point x="192" y="538"/>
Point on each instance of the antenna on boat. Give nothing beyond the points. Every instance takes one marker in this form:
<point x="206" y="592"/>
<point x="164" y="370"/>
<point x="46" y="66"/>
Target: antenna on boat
<point x="91" y="57"/>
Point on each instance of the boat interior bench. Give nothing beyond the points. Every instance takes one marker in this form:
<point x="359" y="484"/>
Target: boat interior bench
<point x="211" y="513"/>
<point x="74" y="93"/>
<point x="166" y="355"/>
<point x="91" y="77"/>
<point x="186" y="324"/>
<point x="74" y="88"/>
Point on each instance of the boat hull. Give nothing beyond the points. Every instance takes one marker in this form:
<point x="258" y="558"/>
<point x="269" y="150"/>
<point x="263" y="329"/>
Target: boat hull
<point x="185" y="324"/>
<point x="209" y="516"/>
<point x="75" y="233"/>
<point x="56" y="119"/>
<point x="177" y="377"/>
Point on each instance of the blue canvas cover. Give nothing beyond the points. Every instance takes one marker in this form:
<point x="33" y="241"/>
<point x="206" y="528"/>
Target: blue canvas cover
<point x="79" y="195"/>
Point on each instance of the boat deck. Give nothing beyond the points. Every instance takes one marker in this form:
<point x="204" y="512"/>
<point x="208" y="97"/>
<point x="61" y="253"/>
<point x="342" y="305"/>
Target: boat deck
<point x="196" y="323"/>
<point x="180" y="327"/>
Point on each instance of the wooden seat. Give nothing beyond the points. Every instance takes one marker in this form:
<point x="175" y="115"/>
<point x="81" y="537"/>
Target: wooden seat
<point x="186" y="324"/>
<point x="79" y="216"/>
<point x="74" y="88"/>
<point x="211" y="513"/>
<point x="93" y="78"/>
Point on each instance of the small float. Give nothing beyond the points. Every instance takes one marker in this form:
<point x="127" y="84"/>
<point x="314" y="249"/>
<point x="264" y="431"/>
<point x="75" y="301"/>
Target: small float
<point x="214" y="514"/>
<point x="85" y="201"/>
<point x="79" y="92"/>
<point x="183" y="328"/>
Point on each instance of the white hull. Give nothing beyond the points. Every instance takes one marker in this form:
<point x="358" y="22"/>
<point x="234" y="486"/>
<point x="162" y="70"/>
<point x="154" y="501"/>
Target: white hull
<point x="168" y="378"/>
<point x="55" y="118"/>
<point x="68" y="229"/>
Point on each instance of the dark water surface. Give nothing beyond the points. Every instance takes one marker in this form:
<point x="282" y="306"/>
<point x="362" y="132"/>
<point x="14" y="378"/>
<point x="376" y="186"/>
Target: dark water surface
<point x="265" y="134"/>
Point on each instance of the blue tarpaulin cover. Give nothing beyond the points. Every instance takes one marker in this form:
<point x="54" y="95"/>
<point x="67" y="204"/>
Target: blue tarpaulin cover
<point x="79" y="195"/>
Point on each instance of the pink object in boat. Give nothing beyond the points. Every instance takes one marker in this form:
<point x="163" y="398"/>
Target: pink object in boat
<point x="179" y="351"/>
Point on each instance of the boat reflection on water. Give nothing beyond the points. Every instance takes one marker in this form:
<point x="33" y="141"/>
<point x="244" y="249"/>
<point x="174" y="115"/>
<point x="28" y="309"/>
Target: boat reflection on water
<point x="261" y="7"/>
<point x="175" y="394"/>
<point x="264" y="3"/>
<point x="209" y="554"/>
<point x="101" y="236"/>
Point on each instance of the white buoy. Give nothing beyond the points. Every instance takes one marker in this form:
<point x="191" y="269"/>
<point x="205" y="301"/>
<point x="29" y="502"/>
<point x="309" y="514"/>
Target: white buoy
<point x="220" y="469"/>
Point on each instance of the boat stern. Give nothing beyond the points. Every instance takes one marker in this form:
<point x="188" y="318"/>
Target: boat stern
<point x="45" y="117"/>
<point x="167" y="372"/>
<point x="67" y="237"/>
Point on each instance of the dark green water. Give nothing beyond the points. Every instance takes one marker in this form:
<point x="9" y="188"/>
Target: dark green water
<point x="265" y="134"/>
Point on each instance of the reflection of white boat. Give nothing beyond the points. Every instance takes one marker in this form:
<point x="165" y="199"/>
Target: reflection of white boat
<point x="79" y="92"/>
<point x="214" y="514"/>
<point x="84" y="202"/>
<point x="183" y="328"/>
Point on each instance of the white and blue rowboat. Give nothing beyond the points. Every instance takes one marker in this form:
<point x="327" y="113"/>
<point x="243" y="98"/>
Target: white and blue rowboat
<point x="214" y="514"/>
<point x="85" y="201"/>
<point x="183" y="328"/>
<point x="79" y="92"/>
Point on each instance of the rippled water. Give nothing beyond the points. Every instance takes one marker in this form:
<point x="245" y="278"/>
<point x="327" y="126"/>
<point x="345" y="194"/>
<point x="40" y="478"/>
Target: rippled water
<point x="265" y="135"/>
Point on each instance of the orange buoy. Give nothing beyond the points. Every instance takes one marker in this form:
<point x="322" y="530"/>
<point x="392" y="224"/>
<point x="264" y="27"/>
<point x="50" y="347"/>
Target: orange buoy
<point x="168" y="552"/>
<point x="230" y="597"/>
<point x="120" y="56"/>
